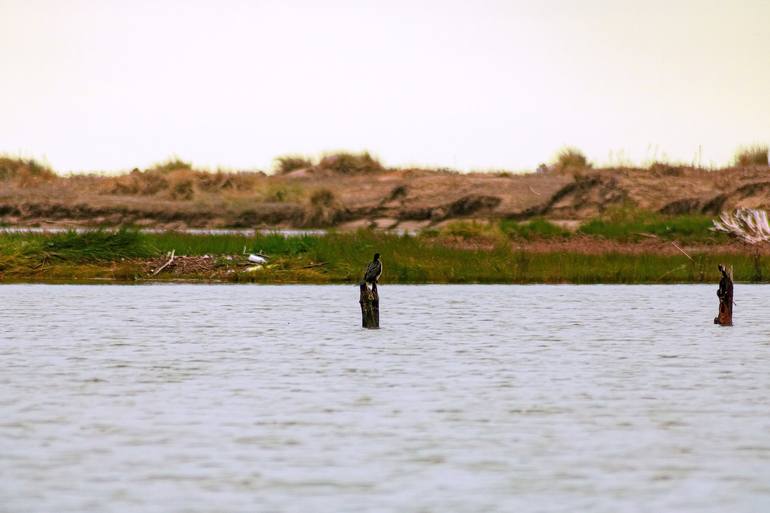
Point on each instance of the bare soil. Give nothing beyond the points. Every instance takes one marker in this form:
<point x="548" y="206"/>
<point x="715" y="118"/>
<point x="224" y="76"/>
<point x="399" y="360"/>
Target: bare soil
<point x="401" y="199"/>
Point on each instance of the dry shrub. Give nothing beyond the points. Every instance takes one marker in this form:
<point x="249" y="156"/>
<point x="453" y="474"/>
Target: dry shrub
<point x="282" y="192"/>
<point x="350" y="163"/>
<point x="571" y="158"/>
<point x="213" y="182"/>
<point x="140" y="183"/>
<point x="173" y="176"/>
<point x="25" y="173"/>
<point x="324" y="209"/>
<point x="172" y="164"/>
<point x="473" y="234"/>
<point x="289" y="163"/>
<point x="182" y="189"/>
<point x="659" y="168"/>
<point x="752" y="156"/>
<point x="180" y="183"/>
<point x="322" y="198"/>
<point x="223" y="181"/>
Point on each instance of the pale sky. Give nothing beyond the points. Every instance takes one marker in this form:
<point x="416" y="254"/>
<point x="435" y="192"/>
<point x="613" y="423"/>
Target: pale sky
<point x="102" y="85"/>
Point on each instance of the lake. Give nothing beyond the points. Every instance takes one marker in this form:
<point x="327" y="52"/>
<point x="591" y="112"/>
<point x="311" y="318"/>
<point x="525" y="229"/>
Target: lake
<point x="240" y="398"/>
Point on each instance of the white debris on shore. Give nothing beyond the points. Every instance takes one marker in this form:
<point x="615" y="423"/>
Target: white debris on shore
<point x="748" y="224"/>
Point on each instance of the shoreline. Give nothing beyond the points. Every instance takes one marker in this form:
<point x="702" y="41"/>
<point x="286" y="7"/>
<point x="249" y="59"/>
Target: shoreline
<point x="466" y="253"/>
<point x="192" y="282"/>
<point x="522" y="268"/>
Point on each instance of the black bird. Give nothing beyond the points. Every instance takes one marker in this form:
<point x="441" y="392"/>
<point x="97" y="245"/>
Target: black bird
<point x="373" y="271"/>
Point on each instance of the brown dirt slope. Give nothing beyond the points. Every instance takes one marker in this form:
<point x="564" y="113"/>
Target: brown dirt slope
<point x="387" y="198"/>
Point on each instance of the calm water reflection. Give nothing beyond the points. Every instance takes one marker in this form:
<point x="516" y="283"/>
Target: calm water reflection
<point x="175" y="398"/>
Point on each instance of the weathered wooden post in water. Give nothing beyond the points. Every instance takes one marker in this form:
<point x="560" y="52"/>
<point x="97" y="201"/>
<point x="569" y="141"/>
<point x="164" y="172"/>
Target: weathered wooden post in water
<point x="370" y="306"/>
<point x="370" y="298"/>
<point x="753" y="228"/>
<point x="725" y="295"/>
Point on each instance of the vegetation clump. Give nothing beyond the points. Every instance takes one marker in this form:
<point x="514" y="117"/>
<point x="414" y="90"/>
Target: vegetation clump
<point x="283" y="192"/>
<point x="177" y="180"/>
<point x="322" y="198"/>
<point x="338" y="258"/>
<point x="469" y="230"/>
<point x="94" y="246"/>
<point x="22" y="253"/>
<point x="571" y="158"/>
<point x="351" y="163"/>
<point x="25" y="172"/>
<point x="535" y="229"/>
<point x="630" y="225"/>
<point x="172" y="164"/>
<point x="289" y="163"/>
<point x="752" y="156"/>
<point x="324" y="209"/>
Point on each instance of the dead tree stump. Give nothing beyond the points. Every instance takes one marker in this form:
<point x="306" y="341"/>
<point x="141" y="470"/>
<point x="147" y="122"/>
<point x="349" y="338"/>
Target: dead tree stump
<point x="725" y="295"/>
<point x="370" y="306"/>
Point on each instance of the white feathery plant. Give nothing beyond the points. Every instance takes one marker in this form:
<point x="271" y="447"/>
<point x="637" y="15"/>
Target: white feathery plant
<point x="748" y="224"/>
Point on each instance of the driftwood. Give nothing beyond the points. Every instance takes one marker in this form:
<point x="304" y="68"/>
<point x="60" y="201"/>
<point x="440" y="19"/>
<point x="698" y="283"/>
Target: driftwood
<point x="682" y="251"/>
<point x="159" y="269"/>
<point x="310" y="266"/>
<point x="370" y="306"/>
<point x="747" y="224"/>
<point x="725" y="295"/>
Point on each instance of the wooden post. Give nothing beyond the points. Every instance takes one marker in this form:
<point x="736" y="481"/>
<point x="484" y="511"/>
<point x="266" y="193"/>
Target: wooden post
<point x="725" y="295"/>
<point x="370" y="306"/>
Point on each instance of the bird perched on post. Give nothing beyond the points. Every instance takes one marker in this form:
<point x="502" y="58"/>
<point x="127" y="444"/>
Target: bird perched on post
<point x="373" y="271"/>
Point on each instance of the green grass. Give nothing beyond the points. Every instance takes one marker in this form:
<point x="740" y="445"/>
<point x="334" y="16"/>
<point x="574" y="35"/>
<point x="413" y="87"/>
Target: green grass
<point x="623" y="225"/>
<point x="415" y="260"/>
<point x="271" y="244"/>
<point x="90" y="246"/>
<point x="343" y="256"/>
<point x="534" y="229"/>
<point x="468" y="230"/>
<point x="685" y="228"/>
<point x="34" y="257"/>
<point x="96" y="246"/>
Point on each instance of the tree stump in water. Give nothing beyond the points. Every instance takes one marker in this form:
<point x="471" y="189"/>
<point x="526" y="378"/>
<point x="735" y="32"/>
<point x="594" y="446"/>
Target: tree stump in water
<point x="370" y="306"/>
<point x="725" y="295"/>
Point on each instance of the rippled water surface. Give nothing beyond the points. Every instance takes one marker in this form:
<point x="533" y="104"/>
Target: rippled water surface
<point x="176" y="398"/>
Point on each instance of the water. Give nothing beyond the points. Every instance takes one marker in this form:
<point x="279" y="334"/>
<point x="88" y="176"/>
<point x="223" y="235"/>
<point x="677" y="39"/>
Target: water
<point x="191" y="398"/>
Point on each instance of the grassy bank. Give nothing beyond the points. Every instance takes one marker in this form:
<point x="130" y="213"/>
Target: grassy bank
<point x="458" y="254"/>
<point x="624" y="225"/>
